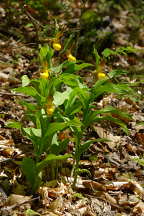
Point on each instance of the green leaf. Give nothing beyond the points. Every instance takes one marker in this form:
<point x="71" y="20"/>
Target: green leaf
<point x="97" y="57"/>
<point x="30" y="212"/>
<point x="50" y="158"/>
<point x="54" y="127"/>
<point x="57" y="69"/>
<point x="30" y="107"/>
<point x="70" y="79"/>
<point x="102" y="86"/>
<point x="94" y="118"/>
<point x="140" y="123"/>
<point x="32" y="131"/>
<point x="46" y="54"/>
<point x="69" y="67"/>
<point x="81" y="171"/>
<point x="29" y="25"/>
<point x="78" y="67"/>
<point x="35" y="136"/>
<point x="110" y="109"/>
<point x="14" y="124"/>
<point x="78" y="98"/>
<point x="119" y="51"/>
<point x="36" y="132"/>
<point x="78" y="195"/>
<point x="85" y="146"/>
<point x="118" y="122"/>
<point x="27" y="90"/>
<point x="27" y="131"/>
<point x="60" y="97"/>
<point x="72" y="67"/>
<point x="25" y="81"/>
<point x="107" y="52"/>
<point x="31" y="172"/>
<point x="58" y="146"/>
<point x="76" y="123"/>
<point x="117" y="73"/>
<point x="44" y="86"/>
<point x="139" y="160"/>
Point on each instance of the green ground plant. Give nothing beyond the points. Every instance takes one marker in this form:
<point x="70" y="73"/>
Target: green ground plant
<point x="61" y="100"/>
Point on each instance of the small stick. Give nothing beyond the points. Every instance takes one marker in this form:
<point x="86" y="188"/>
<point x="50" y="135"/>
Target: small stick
<point x="12" y="94"/>
<point x="35" y="23"/>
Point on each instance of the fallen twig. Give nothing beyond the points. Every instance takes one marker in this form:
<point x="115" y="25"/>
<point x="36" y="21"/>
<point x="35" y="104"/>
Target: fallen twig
<point x="12" y="94"/>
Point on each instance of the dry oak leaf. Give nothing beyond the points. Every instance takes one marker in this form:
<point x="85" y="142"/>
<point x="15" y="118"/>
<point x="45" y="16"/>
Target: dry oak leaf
<point x="94" y="185"/>
<point x="114" y="141"/>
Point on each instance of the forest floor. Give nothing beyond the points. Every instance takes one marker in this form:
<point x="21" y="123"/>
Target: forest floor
<point x="115" y="186"/>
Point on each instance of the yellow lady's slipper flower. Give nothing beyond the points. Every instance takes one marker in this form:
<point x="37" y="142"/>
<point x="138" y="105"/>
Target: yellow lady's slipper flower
<point x="45" y="73"/>
<point x="71" y="58"/>
<point x="56" y="46"/>
<point x="101" y="75"/>
<point x="50" y="107"/>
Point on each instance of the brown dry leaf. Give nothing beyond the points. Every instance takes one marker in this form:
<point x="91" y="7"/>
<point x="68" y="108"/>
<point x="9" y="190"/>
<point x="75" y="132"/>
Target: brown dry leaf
<point x="48" y="213"/>
<point x="138" y="189"/>
<point x="5" y="142"/>
<point x="1" y="137"/>
<point x="57" y="204"/>
<point x="80" y="208"/>
<point x="110" y="199"/>
<point x="99" y="207"/>
<point x="133" y="199"/>
<point x="131" y="148"/>
<point x="115" y="185"/>
<point x="105" y="173"/>
<point x="114" y="140"/>
<point x="133" y="186"/>
<point x="131" y="102"/>
<point x="58" y="191"/>
<point x="121" y="214"/>
<point x="70" y="180"/>
<point x="17" y="199"/>
<point x="139" y="208"/>
<point x="7" y="152"/>
<point x="43" y="191"/>
<point x="3" y="77"/>
<point x="128" y="201"/>
<point x="52" y="214"/>
<point x="94" y="185"/>
<point x="140" y="138"/>
<point x="122" y="199"/>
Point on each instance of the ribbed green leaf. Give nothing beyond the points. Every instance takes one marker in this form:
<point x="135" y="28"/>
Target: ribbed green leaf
<point x="60" y="97"/>
<point x="14" y="124"/>
<point x="25" y="81"/>
<point x="31" y="172"/>
<point x="50" y="158"/>
<point x="27" y="90"/>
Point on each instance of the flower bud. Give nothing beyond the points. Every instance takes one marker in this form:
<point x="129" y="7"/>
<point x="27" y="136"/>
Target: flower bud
<point x="45" y="73"/>
<point x="101" y="75"/>
<point x="71" y="58"/>
<point x="50" y="109"/>
<point x="57" y="46"/>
